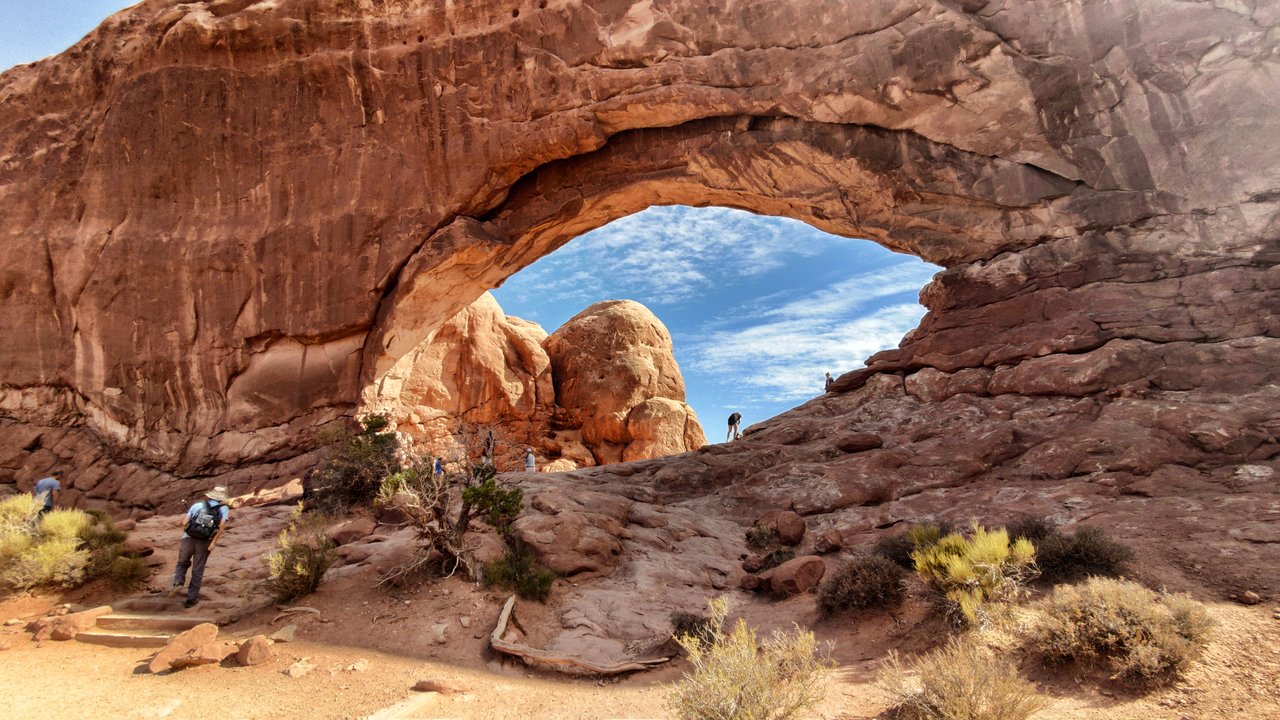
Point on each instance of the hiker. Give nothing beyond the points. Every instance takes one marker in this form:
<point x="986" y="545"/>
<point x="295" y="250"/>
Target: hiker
<point x="204" y="522"/>
<point x="827" y="386"/>
<point x="438" y="470"/>
<point x="529" y="462"/>
<point x="46" y="488"/>
<point x="734" y="421"/>
<point x="486" y="458"/>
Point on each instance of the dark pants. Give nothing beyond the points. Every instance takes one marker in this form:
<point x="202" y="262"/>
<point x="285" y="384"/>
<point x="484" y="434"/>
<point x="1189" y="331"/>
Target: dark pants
<point x="193" y="554"/>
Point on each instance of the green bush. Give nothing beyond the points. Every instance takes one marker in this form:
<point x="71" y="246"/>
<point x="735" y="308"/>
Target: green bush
<point x="898" y="548"/>
<point x="501" y="504"/>
<point x="737" y="676"/>
<point x="519" y="572"/>
<point x="971" y="571"/>
<point x="355" y="465"/>
<point x="126" y="574"/>
<point x="1144" y="638"/>
<point x="61" y="549"/>
<point x="1088" y="551"/>
<point x="304" y="555"/>
<point x="960" y="681"/>
<point x="691" y="625"/>
<point x="862" y="583"/>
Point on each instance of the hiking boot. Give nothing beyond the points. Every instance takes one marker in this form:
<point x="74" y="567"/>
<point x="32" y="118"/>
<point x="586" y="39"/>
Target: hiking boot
<point x="190" y="603"/>
<point x="174" y="590"/>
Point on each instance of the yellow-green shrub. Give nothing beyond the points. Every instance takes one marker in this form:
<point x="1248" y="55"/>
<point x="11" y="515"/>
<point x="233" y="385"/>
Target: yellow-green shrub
<point x="971" y="571"/>
<point x="960" y="681"/>
<point x="18" y="513"/>
<point x="65" y="524"/>
<point x="1144" y="638"/>
<point x="737" y="676"/>
<point x="304" y="555"/>
<point x="56" y="562"/>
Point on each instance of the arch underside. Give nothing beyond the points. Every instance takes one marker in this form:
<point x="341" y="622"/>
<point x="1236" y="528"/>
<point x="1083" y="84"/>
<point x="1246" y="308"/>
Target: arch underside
<point x="228" y="220"/>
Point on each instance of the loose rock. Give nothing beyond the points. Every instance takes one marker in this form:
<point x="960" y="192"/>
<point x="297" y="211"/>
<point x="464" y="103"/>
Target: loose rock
<point x="182" y="644"/>
<point x="254" y="651"/>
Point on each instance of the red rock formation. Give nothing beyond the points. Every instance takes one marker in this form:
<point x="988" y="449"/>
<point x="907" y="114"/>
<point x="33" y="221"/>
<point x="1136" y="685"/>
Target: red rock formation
<point x="226" y="222"/>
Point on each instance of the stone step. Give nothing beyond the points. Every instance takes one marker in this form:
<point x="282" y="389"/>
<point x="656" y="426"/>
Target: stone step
<point x="151" y="621"/>
<point x="125" y="638"/>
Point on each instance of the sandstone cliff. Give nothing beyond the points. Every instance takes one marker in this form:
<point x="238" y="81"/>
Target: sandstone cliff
<point x="225" y="222"/>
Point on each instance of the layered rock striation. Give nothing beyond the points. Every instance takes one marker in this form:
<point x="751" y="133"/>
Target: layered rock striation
<point x="226" y="222"/>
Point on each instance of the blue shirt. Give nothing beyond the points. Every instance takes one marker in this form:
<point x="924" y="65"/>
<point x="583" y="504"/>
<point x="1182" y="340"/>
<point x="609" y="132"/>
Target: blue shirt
<point x="47" y="487"/>
<point x="195" y="510"/>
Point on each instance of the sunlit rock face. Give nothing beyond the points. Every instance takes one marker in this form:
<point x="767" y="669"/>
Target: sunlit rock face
<point x="618" y="384"/>
<point x="226" y="222"/>
<point x="603" y="388"/>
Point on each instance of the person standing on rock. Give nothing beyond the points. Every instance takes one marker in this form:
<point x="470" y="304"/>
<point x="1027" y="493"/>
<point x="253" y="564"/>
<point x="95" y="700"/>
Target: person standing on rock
<point x="529" y="462"/>
<point x="735" y="420"/>
<point x="486" y="457"/>
<point x="438" y="469"/>
<point x="46" y="488"/>
<point x="204" y="522"/>
<point x="827" y="386"/>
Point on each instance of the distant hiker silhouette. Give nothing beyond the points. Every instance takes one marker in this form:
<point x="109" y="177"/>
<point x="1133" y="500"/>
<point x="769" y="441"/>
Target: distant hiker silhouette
<point x="830" y="380"/>
<point x="735" y="420"/>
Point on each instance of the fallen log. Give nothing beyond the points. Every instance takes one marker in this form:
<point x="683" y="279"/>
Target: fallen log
<point x="558" y="662"/>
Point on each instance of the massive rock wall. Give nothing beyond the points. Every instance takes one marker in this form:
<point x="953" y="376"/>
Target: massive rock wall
<point x="226" y="221"/>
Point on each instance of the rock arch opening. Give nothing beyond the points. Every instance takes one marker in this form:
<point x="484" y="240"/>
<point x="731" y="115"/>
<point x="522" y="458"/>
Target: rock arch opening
<point x="737" y="313"/>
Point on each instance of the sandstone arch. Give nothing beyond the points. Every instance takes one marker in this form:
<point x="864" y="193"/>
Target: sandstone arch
<point x="224" y="219"/>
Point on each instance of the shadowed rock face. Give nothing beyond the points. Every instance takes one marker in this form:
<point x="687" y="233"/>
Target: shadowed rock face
<point x="226" y="221"/>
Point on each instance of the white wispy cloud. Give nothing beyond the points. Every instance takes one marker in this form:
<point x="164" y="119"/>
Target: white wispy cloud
<point x="784" y="359"/>
<point x="667" y="255"/>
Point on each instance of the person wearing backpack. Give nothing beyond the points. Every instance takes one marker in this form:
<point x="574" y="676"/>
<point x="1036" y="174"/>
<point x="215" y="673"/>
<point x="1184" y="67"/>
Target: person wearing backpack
<point x="203" y="524"/>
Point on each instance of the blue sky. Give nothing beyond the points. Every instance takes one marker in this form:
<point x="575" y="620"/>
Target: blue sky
<point x="758" y="307"/>
<point x="35" y="29"/>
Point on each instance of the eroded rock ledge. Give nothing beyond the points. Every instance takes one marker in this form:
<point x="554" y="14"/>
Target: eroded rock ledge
<point x="226" y="221"/>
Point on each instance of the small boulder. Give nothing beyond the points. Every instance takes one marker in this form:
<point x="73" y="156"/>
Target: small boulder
<point x="210" y="654"/>
<point x="67" y="626"/>
<point x="1249" y="597"/>
<point x="254" y="651"/>
<point x="182" y="644"/>
<point x="753" y="563"/>
<point x="299" y="668"/>
<point x="285" y="634"/>
<point x="797" y="576"/>
<point x="789" y="526"/>
<point x="829" y="542"/>
<point x="751" y="583"/>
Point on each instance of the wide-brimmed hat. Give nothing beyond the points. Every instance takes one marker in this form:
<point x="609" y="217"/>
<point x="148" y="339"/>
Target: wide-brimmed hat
<point x="219" y="493"/>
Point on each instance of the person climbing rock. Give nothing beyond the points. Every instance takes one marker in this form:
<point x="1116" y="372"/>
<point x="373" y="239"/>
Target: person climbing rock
<point x="204" y="523"/>
<point x="486" y="457"/>
<point x="46" y="488"/>
<point x="735" y="420"/>
<point x="530" y="463"/>
<point x="827" y="386"/>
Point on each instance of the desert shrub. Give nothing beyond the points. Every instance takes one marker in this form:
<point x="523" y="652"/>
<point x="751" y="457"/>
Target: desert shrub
<point x="61" y="549"/>
<point x="738" y="676"/>
<point x="518" y="572"/>
<point x="355" y="465"/>
<point x="971" y="571"/>
<point x="691" y="625"/>
<point x="774" y="558"/>
<point x="501" y="504"/>
<point x="960" y="681"/>
<point x="1144" y="638"/>
<point x="305" y="554"/>
<point x="898" y="548"/>
<point x="763" y="537"/>
<point x="862" y="583"/>
<point x="1087" y="551"/>
<point x="410" y="479"/>
<point x="126" y="573"/>
<point x="18" y="513"/>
